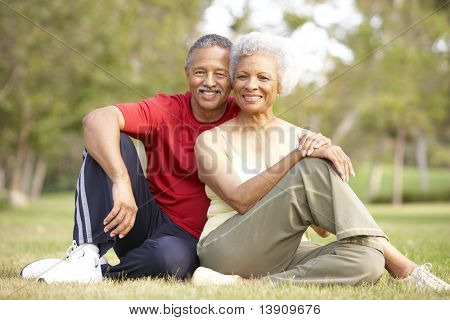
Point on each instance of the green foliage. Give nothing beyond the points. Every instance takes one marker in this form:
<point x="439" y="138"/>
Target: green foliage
<point x="50" y="87"/>
<point x="294" y="21"/>
<point x="241" y="23"/>
<point x="405" y="84"/>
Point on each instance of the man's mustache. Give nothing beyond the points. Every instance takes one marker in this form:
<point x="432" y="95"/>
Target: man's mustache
<point x="203" y="89"/>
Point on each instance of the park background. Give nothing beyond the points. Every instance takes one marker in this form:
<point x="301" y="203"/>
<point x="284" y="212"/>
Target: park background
<point x="374" y="77"/>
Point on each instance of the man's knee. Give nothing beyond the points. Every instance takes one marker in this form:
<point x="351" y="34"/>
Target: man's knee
<point x="129" y="154"/>
<point x="125" y="142"/>
<point x="169" y="256"/>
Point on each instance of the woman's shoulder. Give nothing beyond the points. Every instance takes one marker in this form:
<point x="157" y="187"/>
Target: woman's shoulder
<point x="223" y="130"/>
<point x="286" y="125"/>
<point x="211" y="142"/>
<point x="210" y="137"/>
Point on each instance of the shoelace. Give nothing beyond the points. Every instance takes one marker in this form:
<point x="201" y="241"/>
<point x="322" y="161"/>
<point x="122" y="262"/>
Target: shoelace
<point x="426" y="278"/>
<point x="74" y="251"/>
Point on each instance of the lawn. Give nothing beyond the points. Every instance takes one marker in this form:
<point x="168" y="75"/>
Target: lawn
<point x="44" y="229"/>
<point x="438" y="178"/>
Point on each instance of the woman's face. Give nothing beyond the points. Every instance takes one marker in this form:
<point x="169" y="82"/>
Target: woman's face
<point x="256" y="83"/>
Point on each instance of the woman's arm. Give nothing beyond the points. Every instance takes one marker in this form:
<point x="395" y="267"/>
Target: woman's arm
<point x="216" y="171"/>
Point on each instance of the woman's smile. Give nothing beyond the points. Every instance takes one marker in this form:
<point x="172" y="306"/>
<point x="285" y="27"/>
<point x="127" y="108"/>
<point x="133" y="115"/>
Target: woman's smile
<point x="252" y="98"/>
<point x="256" y="82"/>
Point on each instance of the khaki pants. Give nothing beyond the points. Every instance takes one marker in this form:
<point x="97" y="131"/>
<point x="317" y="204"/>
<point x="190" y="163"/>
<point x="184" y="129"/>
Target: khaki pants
<point x="265" y="241"/>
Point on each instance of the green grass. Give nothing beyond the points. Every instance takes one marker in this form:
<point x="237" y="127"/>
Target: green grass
<point x="44" y="229"/>
<point x="439" y="184"/>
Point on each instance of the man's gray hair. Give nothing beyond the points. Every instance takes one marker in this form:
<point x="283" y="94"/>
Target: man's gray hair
<point x="207" y="41"/>
<point x="278" y="47"/>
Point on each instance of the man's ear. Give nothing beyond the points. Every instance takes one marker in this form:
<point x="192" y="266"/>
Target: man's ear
<point x="186" y="71"/>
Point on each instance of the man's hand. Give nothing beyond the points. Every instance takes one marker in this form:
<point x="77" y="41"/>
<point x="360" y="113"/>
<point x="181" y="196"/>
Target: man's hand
<point x="311" y="141"/>
<point x="340" y="160"/>
<point x="321" y="232"/>
<point x="121" y="218"/>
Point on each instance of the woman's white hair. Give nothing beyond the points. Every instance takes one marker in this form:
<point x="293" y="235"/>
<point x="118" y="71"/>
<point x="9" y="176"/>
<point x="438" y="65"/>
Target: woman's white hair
<point x="278" y="47"/>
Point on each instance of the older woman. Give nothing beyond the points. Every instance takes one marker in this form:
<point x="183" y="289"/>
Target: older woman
<point x="265" y="192"/>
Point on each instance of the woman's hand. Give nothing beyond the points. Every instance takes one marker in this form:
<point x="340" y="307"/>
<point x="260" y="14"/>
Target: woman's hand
<point x="311" y="141"/>
<point x="340" y="160"/>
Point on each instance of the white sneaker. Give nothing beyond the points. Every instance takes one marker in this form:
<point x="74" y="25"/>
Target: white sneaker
<point x="81" y="266"/>
<point x="38" y="268"/>
<point x="204" y="276"/>
<point x="423" y="279"/>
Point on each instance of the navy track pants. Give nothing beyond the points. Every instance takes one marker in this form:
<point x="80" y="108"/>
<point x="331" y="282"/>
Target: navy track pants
<point x="155" y="246"/>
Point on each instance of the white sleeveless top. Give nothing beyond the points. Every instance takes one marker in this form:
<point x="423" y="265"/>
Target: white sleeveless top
<point x="219" y="211"/>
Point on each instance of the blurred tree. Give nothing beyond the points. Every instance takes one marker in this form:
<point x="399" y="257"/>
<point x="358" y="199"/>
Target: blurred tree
<point x="396" y="97"/>
<point x="241" y="23"/>
<point x="410" y="91"/>
<point x="46" y="88"/>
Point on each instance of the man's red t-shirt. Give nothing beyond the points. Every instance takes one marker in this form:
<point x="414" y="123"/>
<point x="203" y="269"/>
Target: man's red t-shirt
<point x="168" y="129"/>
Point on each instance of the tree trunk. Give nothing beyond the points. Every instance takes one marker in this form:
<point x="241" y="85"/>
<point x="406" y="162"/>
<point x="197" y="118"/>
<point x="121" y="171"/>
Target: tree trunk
<point x="2" y="180"/>
<point x="16" y="196"/>
<point x="344" y="126"/>
<point x="27" y="172"/>
<point x="2" y="184"/>
<point x="38" y="179"/>
<point x="421" y="160"/>
<point x="376" y="175"/>
<point x="399" y="156"/>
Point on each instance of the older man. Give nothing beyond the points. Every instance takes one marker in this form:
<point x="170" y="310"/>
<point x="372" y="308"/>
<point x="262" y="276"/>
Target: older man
<point x="153" y="222"/>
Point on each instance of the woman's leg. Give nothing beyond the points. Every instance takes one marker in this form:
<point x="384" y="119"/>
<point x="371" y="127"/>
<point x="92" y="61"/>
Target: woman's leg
<point x="265" y="239"/>
<point x="397" y="264"/>
<point x="335" y="263"/>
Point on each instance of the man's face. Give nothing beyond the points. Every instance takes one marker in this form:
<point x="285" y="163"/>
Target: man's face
<point x="208" y="78"/>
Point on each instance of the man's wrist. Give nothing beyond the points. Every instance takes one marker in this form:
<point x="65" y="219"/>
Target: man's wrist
<point x="120" y="176"/>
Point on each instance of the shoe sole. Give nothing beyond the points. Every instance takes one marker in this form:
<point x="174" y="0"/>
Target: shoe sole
<point x="21" y="271"/>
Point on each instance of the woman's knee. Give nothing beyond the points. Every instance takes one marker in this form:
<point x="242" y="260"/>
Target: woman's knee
<point x="309" y="165"/>
<point x="371" y="266"/>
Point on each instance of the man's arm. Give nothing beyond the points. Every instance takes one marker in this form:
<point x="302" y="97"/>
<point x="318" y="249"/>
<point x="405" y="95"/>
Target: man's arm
<point x="102" y="140"/>
<point x="102" y="136"/>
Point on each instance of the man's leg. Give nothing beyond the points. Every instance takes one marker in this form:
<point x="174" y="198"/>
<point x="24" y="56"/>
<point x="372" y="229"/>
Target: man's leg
<point x="154" y="247"/>
<point x="170" y="251"/>
<point x="265" y="239"/>
<point x="93" y="202"/>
